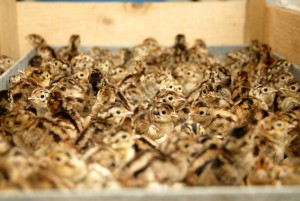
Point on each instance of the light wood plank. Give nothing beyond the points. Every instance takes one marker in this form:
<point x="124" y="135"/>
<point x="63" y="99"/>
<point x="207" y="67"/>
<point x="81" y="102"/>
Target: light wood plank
<point x="255" y="20"/>
<point x="114" y="24"/>
<point x="8" y="29"/>
<point x="282" y="32"/>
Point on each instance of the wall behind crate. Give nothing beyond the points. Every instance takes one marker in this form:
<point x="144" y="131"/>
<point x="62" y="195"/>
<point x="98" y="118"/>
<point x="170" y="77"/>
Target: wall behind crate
<point x="121" y="24"/>
<point x="9" y="44"/>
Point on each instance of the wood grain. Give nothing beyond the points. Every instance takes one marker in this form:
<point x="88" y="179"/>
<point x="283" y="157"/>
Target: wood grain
<point x="8" y="29"/>
<point x="115" y="24"/>
<point x="282" y="32"/>
<point x="255" y="20"/>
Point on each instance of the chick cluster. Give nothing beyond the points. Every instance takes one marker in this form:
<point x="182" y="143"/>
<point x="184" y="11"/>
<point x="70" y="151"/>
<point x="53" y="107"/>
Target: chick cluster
<point x="149" y="116"/>
<point x="5" y="63"/>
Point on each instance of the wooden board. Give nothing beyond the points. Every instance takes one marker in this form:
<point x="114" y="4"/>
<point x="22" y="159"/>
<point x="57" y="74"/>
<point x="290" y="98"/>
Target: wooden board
<point x="255" y="20"/>
<point x="8" y="29"/>
<point x="282" y="32"/>
<point x="119" y="24"/>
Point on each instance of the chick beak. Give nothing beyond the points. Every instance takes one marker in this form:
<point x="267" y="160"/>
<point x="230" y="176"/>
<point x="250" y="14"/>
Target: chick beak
<point x="69" y="164"/>
<point x="174" y="115"/>
<point x="136" y="136"/>
<point x="31" y="98"/>
<point x="192" y="113"/>
<point x="181" y="99"/>
<point x="282" y="89"/>
<point x="129" y="113"/>
<point x="291" y="127"/>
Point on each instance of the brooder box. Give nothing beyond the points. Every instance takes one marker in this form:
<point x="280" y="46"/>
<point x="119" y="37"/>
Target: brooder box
<point x="226" y="23"/>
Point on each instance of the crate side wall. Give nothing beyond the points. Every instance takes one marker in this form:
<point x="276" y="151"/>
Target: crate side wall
<point x="282" y="32"/>
<point x="125" y="24"/>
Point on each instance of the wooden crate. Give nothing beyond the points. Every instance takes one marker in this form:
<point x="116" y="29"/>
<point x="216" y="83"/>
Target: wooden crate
<point x="122" y="24"/>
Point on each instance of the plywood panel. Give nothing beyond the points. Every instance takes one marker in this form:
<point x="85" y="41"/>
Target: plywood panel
<point x="8" y="29"/>
<point x="255" y="20"/>
<point x="219" y="23"/>
<point x="282" y="32"/>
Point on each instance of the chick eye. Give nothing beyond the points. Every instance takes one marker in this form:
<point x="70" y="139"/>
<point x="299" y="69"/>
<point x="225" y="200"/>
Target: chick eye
<point x="42" y="96"/>
<point x="282" y="78"/>
<point x="279" y="124"/>
<point x="293" y="88"/>
<point x="186" y="146"/>
<point x="124" y="136"/>
<point x="204" y="91"/>
<point x="202" y="113"/>
<point x="118" y="112"/>
<point x="188" y="73"/>
<point x="265" y="89"/>
<point x="56" y="63"/>
<point x="171" y="87"/>
<point x="179" y="88"/>
<point x="81" y="74"/>
<point x="58" y="158"/>
<point x="163" y="112"/>
<point x="170" y="98"/>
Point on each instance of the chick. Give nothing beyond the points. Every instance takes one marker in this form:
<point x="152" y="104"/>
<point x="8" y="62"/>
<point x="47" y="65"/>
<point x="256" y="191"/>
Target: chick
<point x="191" y="128"/>
<point x="179" y="49"/>
<point x="39" y="99"/>
<point x="262" y="172"/>
<point x="5" y="102"/>
<point x="245" y="110"/>
<point x="265" y="94"/>
<point x="228" y="165"/>
<point x="121" y="139"/>
<point x="288" y="96"/>
<point x="62" y="113"/>
<point x="14" y="79"/>
<point x="109" y="116"/>
<point x="36" y="40"/>
<point x="156" y="123"/>
<point x="43" y="50"/>
<point x="170" y="97"/>
<point x="284" y="102"/>
<point x="57" y="68"/>
<point x="147" y="167"/>
<point x="20" y="93"/>
<point x="15" y="160"/>
<point x="66" y="163"/>
<point x="189" y="77"/>
<point x="37" y="76"/>
<point x="201" y="113"/>
<point x="270" y="135"/>
<point x="33" y="133"/>
<point x="266" y="172"/>
<point x="98" y="177"/>
<point x="72" y="50"/>
<point x="5" y="63"/>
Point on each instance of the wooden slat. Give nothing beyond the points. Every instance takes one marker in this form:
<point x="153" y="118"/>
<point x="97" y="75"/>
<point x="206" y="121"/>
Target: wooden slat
<point x="255" y="20"/>
<point x="218" y="23"/>
<point x="282" y="32"/>
<point x="8" y="29"/>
